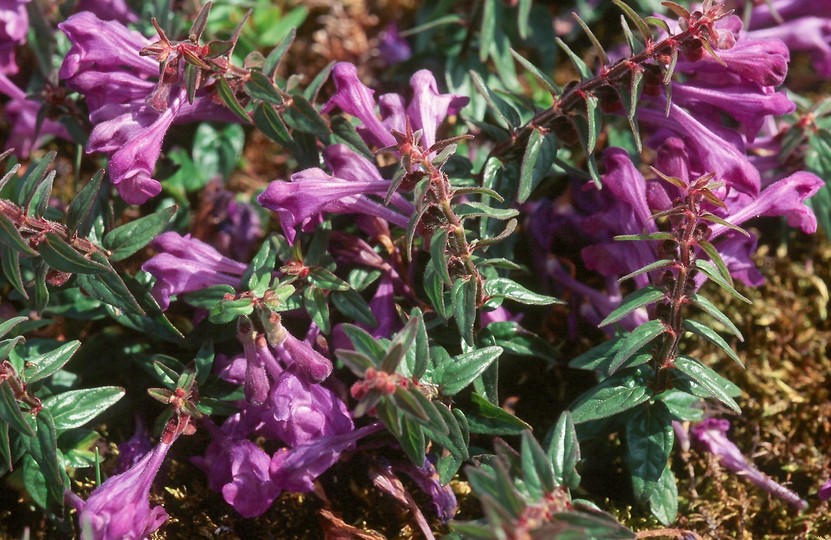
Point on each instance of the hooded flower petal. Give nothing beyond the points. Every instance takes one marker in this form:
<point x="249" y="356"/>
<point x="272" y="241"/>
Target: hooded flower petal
<point x="355" y="98"/>
<point x="428" y="108"/>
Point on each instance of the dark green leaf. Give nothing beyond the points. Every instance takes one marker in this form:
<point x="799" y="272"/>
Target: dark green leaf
<point x="544" y="79"/>
<point x="709" y="308"/>
<point x="564" y="452"/>
<point x="325" y="279"/>
<point x="682" y="405"/>
<point x="261" y="87"/>
<point x="44" y="450"/>
<point x="649" y="440"/>
<point x="474" y="209"/>
<point x="517" y="340"/>
<point x="10" y="260"/>
<point x="357" y="362"/>
<point x="633" y="301"/>
<point x="314" y="300"/>
<point x="10" y="411"/>
<point x="597" y="358"/>
<point x="713" y="337"/>
<point x="109" y="288"/>
<point x="598" y="48"/>
<point x="33" y="179"/>
<point x="582" y="68"/>
<point x="714" y="255"/>
<point x="490" y="419"/>
<point x="226" y="94"/>
<point x="593" y="117"/>
<point x="464" y="307"/>
<point x="713" y="273"/>
<point x="408" y="404"/>
<point x="647" y="236"/>
<point x="77" y="407"/>
<point x="412" y="440"/>
<point x="40" y="198"/>
<point x="302" y="116"/>
<point x="536" y="467"/>
<point x="10" y="236"/>
<point x="273" y="58"/>
<point x="42" y="366"/>
<point x="61" y="256"/>
<point x="620" y="392"/>
<point x="364" y="342"/>
<point x="134" y="235"/>
<point x="663" y="263"/>
<point x="228" y="310"/>
<point x="664" y="500"/>
<point x="81" y="210"/>
<point x="507" y="288"/>
<point x="527" y="180"/>
<point x="635" y="18"/>
<point x="7" y="325"/>
<point x="635" y="341"/>
<point x="353" y="305"/>
<point x="486" y="34"/>
<point x="422" y="342"/>
<point x="464" y="369"/>
<point x="269" y="122"/>
<point x="502" y="111"/>
<point x="711" y="382"/>
<point x="438" y="255"/>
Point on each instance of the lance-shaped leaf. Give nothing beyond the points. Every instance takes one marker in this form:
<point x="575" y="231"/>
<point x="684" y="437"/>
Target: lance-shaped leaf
<point x="663" y="263"/>
<point x="649" y="440"/>
<point x="127" y="239"/>
<point x="646" y="236"/>
<point x="261" y="87"/>
<point x="314" y="300"/>
<point x="633" y="301"/>
<point x="544" y="79"/>
<point x="714" y="255"/>
<point x="564" y="452"/>
<point x="109" y="287"/>
<point x="464" y="306"/>
<point x="10" y="261"/>
<point x="714" y="384"/>
<point x="620" y="392"/>
<point x="353" y="305"/>
<point x="635" y="341"/>
<point x="630" y="39"/>
<point x="302" y="116"/>
<point x="630" y="97"/>
<point x="33" y="179"/>
<point x="489" y="419"/>
<point x="10" y="411"/>
<point x="226" y="94"/>
<point x="598" y="48"/>
<point x="458" y="374"/>
<point x="42" y="366"/>
<point x="536" y="162"/>
<point x="10" y="236"/>
<point x="7" y="325"/>
<point x="582" y="68"/>
<point x="710" y="308"/>
<point x="276" y="54"/>
<point x="438" y="255"/>
<point x="61" y="256"/>
<point x="412" y="440"/>
<point x="40" y="198"/>
<point x="597" y="358"/>
<point x="77" y="407"/>
<point x="80" y="214"/>
<point x="44" y="450"/>
<point x="713" y="273"/>
<point x="664" y="499"/>
<point x="581" y="125"/>
<point x="422" y="345"/>
<point x="269" y="122"/>
<point x="508" y="288"/>
<point x="713" y="337"/>
<point x="502" y="111"/>
<point x="488" y="29"/>
<point x="635" y="18"/>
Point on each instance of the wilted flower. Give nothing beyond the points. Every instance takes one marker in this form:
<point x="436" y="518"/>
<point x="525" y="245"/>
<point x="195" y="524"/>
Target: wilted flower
<point x="711" y="435"/>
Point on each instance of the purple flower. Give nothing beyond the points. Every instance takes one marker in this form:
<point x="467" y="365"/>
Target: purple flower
<point x="711" y="435"/>
<point x="428" y="107"/>
<point x="120" y="507"/>
<point x="355" y="98"/>
<point x="825" y="491"/>
<point x="762" y="61"/>
<point x="393" y="48"/>
<point x="307" y="361"/>
<point x="14" y="23"/>
<point x="296" y="469"/>
<point x="301" y="411"/>
<point x="313" y="191"/>
<point x="109" y="10"/>
<point x="133" y="449"/>
<point x="186" y="264"/>
<point x="23" y="113"/>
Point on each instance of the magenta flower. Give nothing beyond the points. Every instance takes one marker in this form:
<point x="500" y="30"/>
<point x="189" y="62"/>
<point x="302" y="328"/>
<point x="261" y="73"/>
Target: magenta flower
<point x="109" y="10"/>
<point x="120" y="507"/>
<point x="22" y="113"/>
<point x="185" y="264"/>
<point x="393" y="48"/>
<point x="14" y="23"/>
<point x="428" y="107"/>
<point x="825" y="491"/>
<point x="711" y="435"/>
<point x="307" y="362"/>
<point x="355" y="98"/>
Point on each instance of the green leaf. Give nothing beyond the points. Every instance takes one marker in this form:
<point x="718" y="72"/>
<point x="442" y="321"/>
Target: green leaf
<point x="582" y="68"/>
<point x="7" y="325"/>
<point x="464" y="307"/>
<point x="544" y="79"/>
<point x="663" y="263"/>
<point x="44" y="450"/>
<point x="81" y="210"/>
<point x="664" y="499"/>
<point x="226" y="94"/>
<point x="422" y="345"/>
<point x="353" y="305"/>
<point x="536" y="467"/>
<point x="593" y="117"/>
<point x="635" y="341"/>
<point x="713" y="337"/>
<point x="475" y="209"/>
<point x="408" y="404"/>
<point x="438" y="255"/>
<point x="228" y="310"/>
<point x="77" y="407"/>
<point x="269" y="122"/>
<point x="504" y="113"/>
<point x="682" y="405"/>
<point x="633" y="301"/>
<point x="649" y="440"/>
<point x="10" y="236"/>
<point x="364" y="343"/>
<point x="412" y="440"/>
<point x="208" y="297"/>
<point x="517" y="340"/>
<point x="635" y="18"/>
<point x="314" y="300"/>
<point x="61" y="256"/>
<point x="42" y="366"/>
<point x="710" y="308"/>
<point x="486" y="34"/>
<point x="10" y="261"/>
<point x="598" y="48"/>
<point x="325" y="279"/>
<point x="487" y="418"/>
<point x="620" y="392"/>
<point x="109" y="288"/>
<point x="10" y="411"/>
<point x="527" y="180"/>
<point x="259" y="86"/>
<point x="597" y="358"/>
<point x="507" y="288"/>
<point x="714" y="255"/>
<point x="647" y="236"/>
<point x="257" y="276"/>
<point x="455" y="376"/>
<point x="713" y="384"/>
<point x="564" y="452"/>
<point x="713" y="273"/>
<point x="33" y="179"/>
<point x="40" y="198"/>
<point x="131" y="237"/>
<point x="302" y="116"/>
<point x="276" y="54"/>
